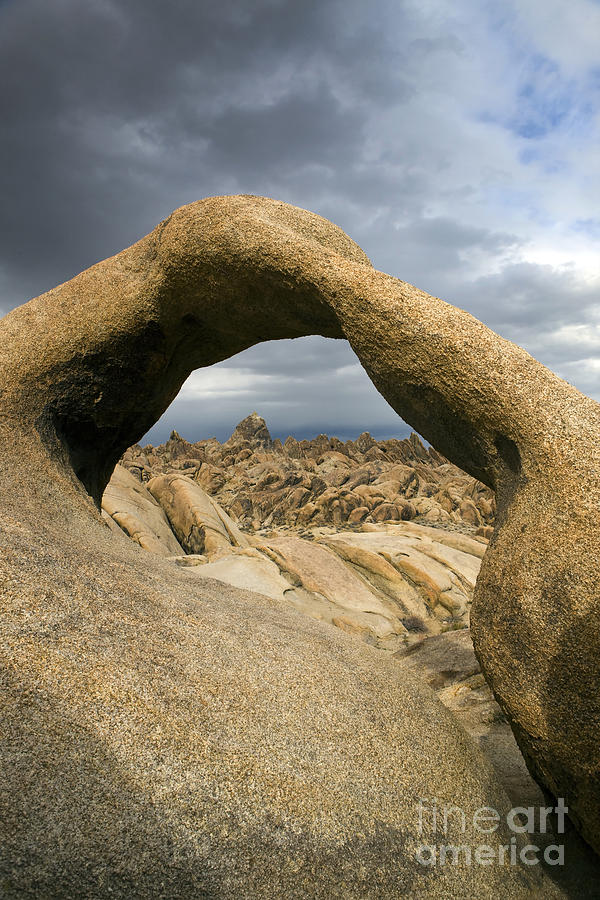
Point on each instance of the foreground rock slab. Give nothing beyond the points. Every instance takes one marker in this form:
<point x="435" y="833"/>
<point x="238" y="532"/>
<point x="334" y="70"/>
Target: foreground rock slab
<point x="165" y="736"/>
<point x="294" y="570"/>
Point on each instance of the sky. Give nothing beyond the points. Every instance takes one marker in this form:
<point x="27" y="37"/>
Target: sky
<point x="455" y="140"/>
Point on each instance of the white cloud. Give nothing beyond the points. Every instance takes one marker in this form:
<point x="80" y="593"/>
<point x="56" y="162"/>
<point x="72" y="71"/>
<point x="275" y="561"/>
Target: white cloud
<point x="566" y="32"/>
<point x="217" y="382"/>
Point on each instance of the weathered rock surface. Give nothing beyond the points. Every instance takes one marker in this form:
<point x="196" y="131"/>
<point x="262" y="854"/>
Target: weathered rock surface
<point x="386" y="584"/>
<point x="200" y="525"/>
<point x="448" y="664"/>
<point x="323" y="481"/>
<point x="209" y="741"/>
<point x="353" y="592"/>
<point x="135" y="510"/>
<point x="305" y="575"/>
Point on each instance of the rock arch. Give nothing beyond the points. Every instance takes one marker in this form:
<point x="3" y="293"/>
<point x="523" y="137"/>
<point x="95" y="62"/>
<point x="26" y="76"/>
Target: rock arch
<point x="88" y="367"/>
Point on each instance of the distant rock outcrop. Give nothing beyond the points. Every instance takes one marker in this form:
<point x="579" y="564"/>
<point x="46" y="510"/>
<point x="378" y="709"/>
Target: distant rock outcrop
<point x="253" y="430"/>
<point x="161" y="731"/>
<point x="323" y="481"/>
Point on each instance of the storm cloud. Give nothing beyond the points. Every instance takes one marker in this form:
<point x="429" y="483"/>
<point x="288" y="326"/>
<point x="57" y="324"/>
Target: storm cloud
<point x="456" y="142"/>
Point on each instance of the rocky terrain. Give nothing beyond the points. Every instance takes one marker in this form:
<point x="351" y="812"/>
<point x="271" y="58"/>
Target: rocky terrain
<point x="167" y="734"/>
<point x="264" y="483"/>
<point x="341" y="531"/>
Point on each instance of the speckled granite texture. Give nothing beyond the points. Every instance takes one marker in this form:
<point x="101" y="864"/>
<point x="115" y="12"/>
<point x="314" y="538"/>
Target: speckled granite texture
<point x="165" y="739"/>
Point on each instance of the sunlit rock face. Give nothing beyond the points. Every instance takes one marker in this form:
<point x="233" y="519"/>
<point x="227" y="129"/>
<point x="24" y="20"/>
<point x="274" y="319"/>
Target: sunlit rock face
<point x="161" y="729"/>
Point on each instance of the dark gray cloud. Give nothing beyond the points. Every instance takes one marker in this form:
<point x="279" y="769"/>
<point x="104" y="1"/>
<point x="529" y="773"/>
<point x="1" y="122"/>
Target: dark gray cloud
<point x="394" y="119"/>
<point x="116" y="112"/>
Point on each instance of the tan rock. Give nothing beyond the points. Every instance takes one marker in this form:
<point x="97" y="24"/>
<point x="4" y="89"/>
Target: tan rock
<point x="190" y="559"/>
<point x="256" y="478"/>
<point x="385" y="512"/>
<point x="170" y="734"/>
<point x="448" y="664"/>
<point x="130" y="504"/>
<point x="321" y="572"/>
<point x="198" y="522"/>
<point x="470" y="513"/>
<point x="358" y="514"/>
<point x="210" y="478"/>
<point x="415" y="605"/>
<point x="250" y="570"/>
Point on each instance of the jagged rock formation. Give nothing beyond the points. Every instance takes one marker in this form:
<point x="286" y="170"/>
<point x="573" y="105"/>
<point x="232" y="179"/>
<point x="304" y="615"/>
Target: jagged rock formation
<point x="209" y="742"/>
<point x="323" y="481"/>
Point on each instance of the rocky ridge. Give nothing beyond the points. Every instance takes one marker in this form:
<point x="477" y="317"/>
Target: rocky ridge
<point x="384" y="583"/>
<point x="324" y="481"/>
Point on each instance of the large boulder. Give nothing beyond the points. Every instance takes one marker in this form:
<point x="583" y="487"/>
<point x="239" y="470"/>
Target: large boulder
<point x="201" y="526"/>
<point x="163" y="736"/>
<point x="130" y="504"/>
<point x="161" y="732"/>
